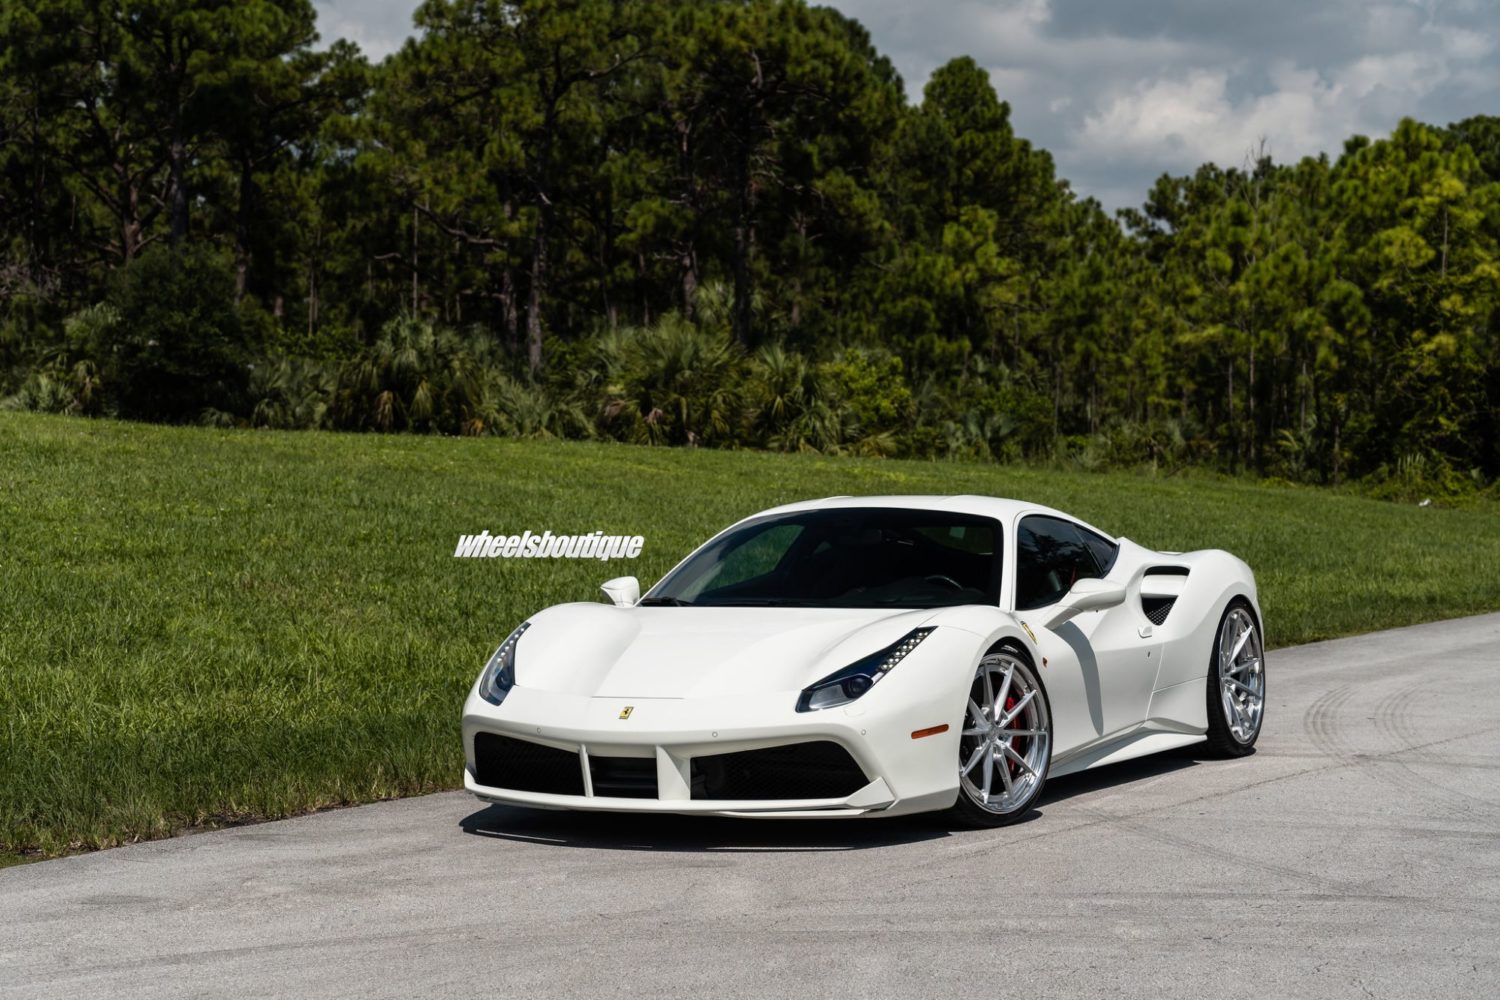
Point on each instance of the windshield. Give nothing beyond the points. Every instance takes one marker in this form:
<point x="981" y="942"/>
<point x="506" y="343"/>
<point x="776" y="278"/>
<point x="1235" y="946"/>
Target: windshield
<point x="843" y="558"/>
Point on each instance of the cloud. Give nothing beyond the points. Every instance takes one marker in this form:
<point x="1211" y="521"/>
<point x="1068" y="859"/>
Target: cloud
<point x="1191" y="119"/>
<point x="1122" y="92"/>
<point x="1194" y="115"/>
<point x="377" y="26"/>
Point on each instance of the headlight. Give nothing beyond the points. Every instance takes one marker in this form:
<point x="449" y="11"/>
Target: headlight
<point x="499" y="674"/>
<point x="859" y="676"/>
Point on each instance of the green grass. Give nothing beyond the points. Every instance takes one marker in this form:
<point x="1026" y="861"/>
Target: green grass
<point x="200" y="626"/>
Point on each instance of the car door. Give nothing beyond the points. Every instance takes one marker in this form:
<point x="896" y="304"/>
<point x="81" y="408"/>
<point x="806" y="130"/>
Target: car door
<point x="1118" y="665"/>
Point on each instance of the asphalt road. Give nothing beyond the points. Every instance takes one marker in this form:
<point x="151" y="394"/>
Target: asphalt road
<point x="1356" y="854"/>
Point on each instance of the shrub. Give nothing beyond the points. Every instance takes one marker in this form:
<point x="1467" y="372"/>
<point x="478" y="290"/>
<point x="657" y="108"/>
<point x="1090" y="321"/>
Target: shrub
<point x="176" y="346"/>
<point x="674" y="384"/>
<point x="416" y="377"/>
<point x="872" y="386"/>
<point x="290" y="394"/>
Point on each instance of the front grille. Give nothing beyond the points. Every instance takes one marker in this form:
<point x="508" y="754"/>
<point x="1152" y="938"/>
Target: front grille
<point x="821" y="770"/>
<point x="1157" y="608"/>
<point x="502" y="762"/>
<point x="623" y="777"/>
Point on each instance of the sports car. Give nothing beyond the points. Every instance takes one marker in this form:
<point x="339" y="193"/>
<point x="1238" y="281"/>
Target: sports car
<point x="871" y="656"/>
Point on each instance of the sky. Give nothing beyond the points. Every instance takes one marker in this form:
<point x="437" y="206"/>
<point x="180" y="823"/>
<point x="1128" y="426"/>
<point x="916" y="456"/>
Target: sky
<point x="1122" y="91"/>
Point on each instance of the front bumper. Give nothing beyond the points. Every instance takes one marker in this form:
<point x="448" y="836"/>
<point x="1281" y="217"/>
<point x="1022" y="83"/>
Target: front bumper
<point x="904" y="775"/>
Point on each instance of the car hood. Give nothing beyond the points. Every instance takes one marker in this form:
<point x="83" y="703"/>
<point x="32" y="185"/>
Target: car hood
<point x="598" y="650"/>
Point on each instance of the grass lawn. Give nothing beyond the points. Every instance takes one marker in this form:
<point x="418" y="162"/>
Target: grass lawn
<point x="201" y="626"/>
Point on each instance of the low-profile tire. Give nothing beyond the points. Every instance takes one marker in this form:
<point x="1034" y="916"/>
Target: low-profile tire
<point x="1236" y="682"/>
<point x="1005" y="745"/>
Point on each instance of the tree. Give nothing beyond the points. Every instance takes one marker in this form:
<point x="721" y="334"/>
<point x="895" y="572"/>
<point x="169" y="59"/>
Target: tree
<point x="272" y="96"/>
<point x="492" y="100"/>
<point x="1413" y="224"/>
<point x="768" y="78"/>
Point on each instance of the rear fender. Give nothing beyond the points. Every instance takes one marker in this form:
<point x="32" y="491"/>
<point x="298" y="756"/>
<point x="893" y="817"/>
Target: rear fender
<point x="1214" y="579"/>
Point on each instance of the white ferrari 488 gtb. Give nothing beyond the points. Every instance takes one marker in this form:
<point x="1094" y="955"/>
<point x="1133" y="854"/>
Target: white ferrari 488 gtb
<point x="871" y="656"/>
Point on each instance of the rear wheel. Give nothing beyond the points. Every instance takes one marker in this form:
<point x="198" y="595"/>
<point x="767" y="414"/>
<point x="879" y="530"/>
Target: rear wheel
<point x="1236" y="682"/>
<point x="1005" y="747"/>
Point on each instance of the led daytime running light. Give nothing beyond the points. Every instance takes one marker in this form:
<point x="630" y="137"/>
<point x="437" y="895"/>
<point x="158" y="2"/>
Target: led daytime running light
<point x="905" y="646"/>
<point x="500" y="672"/>
<point x="510" y="642"/>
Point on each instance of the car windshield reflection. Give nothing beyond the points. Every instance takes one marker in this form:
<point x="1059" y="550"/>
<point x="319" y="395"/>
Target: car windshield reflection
<point x="843" y="558"/>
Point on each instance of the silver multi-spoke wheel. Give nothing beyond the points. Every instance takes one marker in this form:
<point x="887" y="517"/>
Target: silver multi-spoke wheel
<point x="1006" y="744"/>
<point x="1237" y="682"/>
<point x="1242" y="677"/>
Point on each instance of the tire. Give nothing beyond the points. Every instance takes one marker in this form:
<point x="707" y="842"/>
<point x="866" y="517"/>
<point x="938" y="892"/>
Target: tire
<point x="1003" y="768"/>
<point x="1236" y="682"/>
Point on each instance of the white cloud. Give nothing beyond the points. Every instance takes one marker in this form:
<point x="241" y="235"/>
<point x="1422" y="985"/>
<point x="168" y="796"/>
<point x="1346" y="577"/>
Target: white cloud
<point x="1190" y="119"/>
<point x="379" y="27"/>
<point x="1165" y="114"/>
<point x="1181" y="118"/>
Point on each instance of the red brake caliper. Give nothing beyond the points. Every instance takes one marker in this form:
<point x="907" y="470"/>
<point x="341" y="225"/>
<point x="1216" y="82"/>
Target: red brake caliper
<point x="1010" y="703"/>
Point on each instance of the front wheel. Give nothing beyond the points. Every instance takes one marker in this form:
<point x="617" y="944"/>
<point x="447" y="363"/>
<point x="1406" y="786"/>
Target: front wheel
<point x="1236" y="682"/>
<point x="1005" y="747"/>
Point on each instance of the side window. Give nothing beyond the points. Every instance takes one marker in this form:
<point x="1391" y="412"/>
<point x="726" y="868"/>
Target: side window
<point x="1051" y="555"/>
<point x="1103" y="549"/>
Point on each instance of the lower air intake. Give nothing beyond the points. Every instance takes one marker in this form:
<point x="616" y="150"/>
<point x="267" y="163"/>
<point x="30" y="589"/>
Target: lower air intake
<point x="821" y="770"/>
<point x="502" y="762"/>
<point x="623" y="777"/>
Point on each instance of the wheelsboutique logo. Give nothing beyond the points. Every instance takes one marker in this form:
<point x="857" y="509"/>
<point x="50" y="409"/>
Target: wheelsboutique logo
<point x="529" y="545"/>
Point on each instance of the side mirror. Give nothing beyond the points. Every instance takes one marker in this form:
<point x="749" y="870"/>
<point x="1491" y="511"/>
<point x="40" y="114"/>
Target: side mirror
<point x="624" y="591"/>
<point x="1086" y="595"/>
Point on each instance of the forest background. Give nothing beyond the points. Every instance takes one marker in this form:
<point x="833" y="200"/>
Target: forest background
<point x="716" y="224"/>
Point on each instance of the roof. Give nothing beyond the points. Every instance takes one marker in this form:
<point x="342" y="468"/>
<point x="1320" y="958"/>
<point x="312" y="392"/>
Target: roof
<point x="1000" y="508"/>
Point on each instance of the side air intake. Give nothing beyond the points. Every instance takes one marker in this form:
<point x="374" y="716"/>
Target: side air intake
<point x="1157" y="608"/>
<point x="1160" y="588"/>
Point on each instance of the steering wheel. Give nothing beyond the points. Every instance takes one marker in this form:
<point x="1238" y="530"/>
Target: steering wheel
<point x="946" y="580"/>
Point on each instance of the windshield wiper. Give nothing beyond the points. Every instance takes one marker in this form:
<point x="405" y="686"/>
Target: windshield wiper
<point x="658" y="602"/>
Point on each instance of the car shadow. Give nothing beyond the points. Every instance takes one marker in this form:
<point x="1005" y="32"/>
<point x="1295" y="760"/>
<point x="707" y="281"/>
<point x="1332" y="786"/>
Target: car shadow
<point x="694" y="834"/>
<point x="717" y="834"/>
